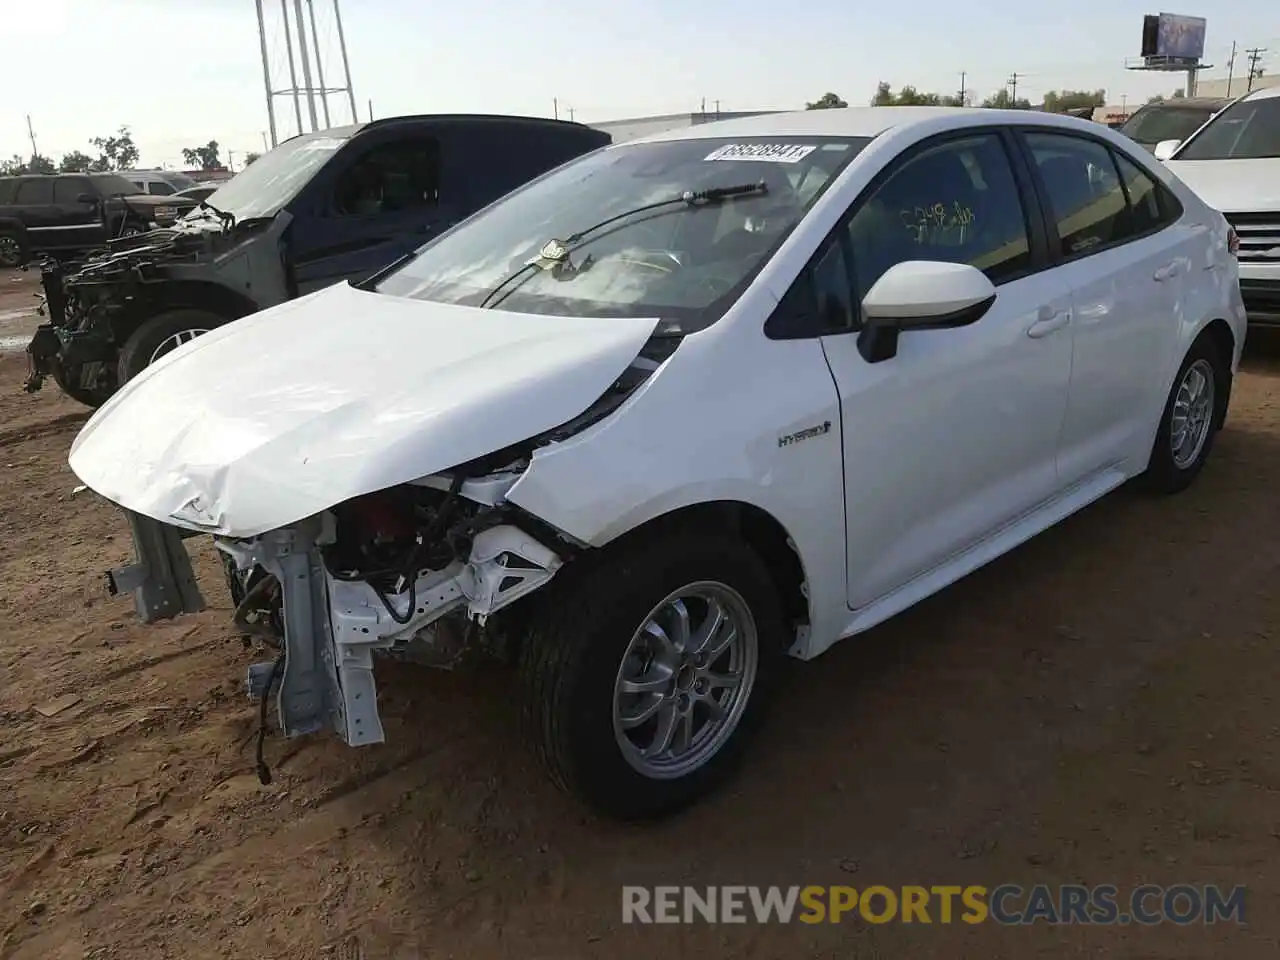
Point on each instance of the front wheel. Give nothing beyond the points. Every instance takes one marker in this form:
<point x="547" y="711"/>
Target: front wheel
<point x="162" y="333"/>
<point x="1190" y="420"/>
<point x="651" y="669"/>
<point x="11" y="252"/>
<point x="90" y="383"/>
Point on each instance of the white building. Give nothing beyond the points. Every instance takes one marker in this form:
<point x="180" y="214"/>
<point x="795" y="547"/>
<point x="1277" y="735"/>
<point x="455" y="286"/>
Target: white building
<point x="636" y="127"/>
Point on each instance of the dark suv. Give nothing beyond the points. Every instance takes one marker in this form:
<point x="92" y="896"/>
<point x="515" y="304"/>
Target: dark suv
<point x="321" y="208"/>
<point x="68" y="213"/>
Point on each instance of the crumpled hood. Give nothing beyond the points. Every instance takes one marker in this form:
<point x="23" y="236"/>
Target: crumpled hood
<point x="1232" y="186"/>
<point x="287" y="412"/>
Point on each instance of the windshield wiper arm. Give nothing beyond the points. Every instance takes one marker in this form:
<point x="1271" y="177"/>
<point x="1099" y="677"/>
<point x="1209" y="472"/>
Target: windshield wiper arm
<point x="228" y="219"/>
<point x="557" y="251"/>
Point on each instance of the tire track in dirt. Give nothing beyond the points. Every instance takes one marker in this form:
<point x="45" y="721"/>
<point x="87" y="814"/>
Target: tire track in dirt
<point x="63" y="423"/>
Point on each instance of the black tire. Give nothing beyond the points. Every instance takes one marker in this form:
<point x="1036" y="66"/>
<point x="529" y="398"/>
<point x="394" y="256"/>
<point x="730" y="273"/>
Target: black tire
<point x="142" y="344"/>
<point x="1164" y="474"/>
<point x="71" y="382"/>
<point x="570" y="661"/>
<point x="13" y="251"/>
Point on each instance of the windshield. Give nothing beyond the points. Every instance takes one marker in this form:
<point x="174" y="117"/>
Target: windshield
<point x="1246" y="130"/>
<point x="1157" y="123"/>
<point x="112" y="186"/>
<point x="673" y="229"/>
<point x="178" y="180"/>
<point x="271" y="181"/>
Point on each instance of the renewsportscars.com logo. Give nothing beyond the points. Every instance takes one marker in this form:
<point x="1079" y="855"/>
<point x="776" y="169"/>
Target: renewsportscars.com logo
<point x="1007" y="904"/>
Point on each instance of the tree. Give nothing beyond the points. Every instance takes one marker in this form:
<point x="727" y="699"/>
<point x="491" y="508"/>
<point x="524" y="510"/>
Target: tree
<point x="116" y="152"/>
<point x="1178" y="94"/>
<point x="1060" y="101"/>
<point x="251" y="156"/>
<point x="75" y="162"/>
<point x="1001" y="100"/>
<point x="16" y="166"/>
<point x="1158" y="98"/>
<point x="206" y="157"/>
<point x="909" y="96"/>
<point x="827" y="101"/>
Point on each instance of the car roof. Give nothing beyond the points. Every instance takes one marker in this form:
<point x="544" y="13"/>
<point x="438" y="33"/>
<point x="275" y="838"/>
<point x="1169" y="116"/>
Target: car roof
<point x="859" y="122"/>
<point x="1187" y="102"/>
<point x="1264" y="94"/>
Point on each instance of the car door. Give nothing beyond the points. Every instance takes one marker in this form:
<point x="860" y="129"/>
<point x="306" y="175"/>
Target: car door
<point x="956" y="435"/>
<point x="370" y="209"/>
<point x="34" y="197"/>
<point x="81" y="222"/>
<point x="1126" y="272"/>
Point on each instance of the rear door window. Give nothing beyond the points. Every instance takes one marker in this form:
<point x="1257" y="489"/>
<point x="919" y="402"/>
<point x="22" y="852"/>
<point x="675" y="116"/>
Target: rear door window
<point x="35" y="192"/>
<point x="1084" y="191"/>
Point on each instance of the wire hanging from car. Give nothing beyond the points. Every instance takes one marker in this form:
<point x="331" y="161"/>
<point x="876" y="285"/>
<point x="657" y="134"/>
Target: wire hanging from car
<point x="264" y="772"/>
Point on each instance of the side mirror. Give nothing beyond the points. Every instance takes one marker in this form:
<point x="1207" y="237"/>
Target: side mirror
<point x="86" y="198"/>
<point x="921" y="294"/>
<point x="1166" y="149"/>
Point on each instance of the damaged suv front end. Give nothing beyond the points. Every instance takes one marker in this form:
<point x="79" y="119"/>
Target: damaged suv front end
<point x="93" y="306"/>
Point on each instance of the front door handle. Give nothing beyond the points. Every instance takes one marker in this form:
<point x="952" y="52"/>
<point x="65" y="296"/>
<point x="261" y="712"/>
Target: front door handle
<point x="1047" y="324"/>
<point x="1167" y="272"/>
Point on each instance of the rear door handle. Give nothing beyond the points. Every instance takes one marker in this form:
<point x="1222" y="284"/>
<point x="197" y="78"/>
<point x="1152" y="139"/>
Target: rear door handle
<point x="1168" y="271"/>
<point x="1047" y="324"/>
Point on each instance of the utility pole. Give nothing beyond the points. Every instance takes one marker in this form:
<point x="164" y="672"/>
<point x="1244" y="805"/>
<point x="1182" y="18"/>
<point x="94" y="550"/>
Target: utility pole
<point x="963" y="75"/>
<point x="371" y="111"/>
<point x="32" y="134"/>
<point x="315" y="42"/>
<point x="1231" y="68"/>
<point x="555" y="107"/>
<point x="570" y="109"/>
<point x="1255" y="54"/>
<point x="1013" y="87"/>
<point x="306" y="66"/>
<point x="293" y="73"/>
<point x="717" y="103"/>
<point x="265" y="148"/>
<point x="346" y="64"/>
<point x="266" y="78"/>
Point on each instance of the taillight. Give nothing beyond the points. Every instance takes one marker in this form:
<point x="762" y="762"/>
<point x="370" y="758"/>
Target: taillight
<point x="1233" y="241"/>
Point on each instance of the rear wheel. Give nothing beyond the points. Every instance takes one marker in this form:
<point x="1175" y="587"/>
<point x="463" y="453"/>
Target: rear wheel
<point x="650" y="670"/>
<point x="1190" y="420"/>
<point x="161" y="334"/>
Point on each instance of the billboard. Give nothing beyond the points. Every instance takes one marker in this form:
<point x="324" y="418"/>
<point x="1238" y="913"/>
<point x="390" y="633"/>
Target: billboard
<point x="1173" y="35"/>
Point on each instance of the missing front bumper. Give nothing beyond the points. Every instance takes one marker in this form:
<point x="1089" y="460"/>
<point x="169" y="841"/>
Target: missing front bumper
<point x="333" y="627"/>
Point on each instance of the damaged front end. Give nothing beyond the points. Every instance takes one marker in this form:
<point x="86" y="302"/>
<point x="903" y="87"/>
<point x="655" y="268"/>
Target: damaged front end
<point x="416" y="571"/>
<point x="92" y="305"/>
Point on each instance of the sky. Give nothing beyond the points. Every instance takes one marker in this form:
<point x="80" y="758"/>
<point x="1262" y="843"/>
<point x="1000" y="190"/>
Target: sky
<point x="80" y="68"/>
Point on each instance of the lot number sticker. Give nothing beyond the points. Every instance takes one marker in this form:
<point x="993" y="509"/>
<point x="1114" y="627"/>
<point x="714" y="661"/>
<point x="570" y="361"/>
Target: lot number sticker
<point x="765" y="152"/>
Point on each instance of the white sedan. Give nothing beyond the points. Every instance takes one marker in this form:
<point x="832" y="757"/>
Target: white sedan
<point x="678" y="409"/>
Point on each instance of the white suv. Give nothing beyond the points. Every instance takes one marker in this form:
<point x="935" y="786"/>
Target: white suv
<point x="1233" y="163"/>
<point x="677" y="409"/>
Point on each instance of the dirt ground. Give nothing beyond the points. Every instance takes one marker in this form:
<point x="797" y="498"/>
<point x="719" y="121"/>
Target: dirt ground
<point x="1098" y="707"/>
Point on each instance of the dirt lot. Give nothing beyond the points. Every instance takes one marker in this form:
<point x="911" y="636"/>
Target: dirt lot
<point x="1098" y="708"/>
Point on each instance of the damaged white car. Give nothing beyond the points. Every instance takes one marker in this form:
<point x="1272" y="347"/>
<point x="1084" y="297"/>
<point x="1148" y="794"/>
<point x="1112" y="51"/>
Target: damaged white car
<point x="678" y="409"/>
